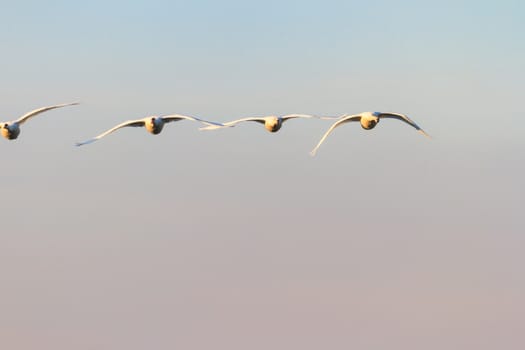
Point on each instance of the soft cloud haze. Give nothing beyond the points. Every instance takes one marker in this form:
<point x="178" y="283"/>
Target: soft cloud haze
<point x="238" y="239"/>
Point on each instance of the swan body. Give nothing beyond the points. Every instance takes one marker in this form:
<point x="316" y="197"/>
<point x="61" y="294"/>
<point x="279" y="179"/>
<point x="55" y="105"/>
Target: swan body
<point x="271" y="123"/>
<point x="368" y="121"/>
<point x="10" y="130"/>
<point x="153" y="124"/>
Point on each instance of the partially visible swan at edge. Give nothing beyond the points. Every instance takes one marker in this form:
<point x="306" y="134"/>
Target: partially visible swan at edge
<point x="153" y="124"/>
<point x="271" y="123"/>
<point x="368" y="121"/>
<point x="10" y="130"/>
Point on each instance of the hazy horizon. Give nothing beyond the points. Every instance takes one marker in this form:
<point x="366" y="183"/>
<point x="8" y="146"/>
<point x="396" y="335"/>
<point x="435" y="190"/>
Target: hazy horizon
<point x="238" y="238"/>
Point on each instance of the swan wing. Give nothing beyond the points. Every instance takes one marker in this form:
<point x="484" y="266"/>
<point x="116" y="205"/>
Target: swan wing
<point x="28" y="115"/>
<point x="292" y="116"/>
<point x="176" y="117"/>
<point x="405" y="119"/>
<point x="232" y="123"/>
<point x="342" y="120"/>
<point x="135" y="123"/>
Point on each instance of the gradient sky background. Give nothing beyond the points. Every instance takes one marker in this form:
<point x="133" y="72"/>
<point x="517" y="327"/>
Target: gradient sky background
<point x="238" y="239"/>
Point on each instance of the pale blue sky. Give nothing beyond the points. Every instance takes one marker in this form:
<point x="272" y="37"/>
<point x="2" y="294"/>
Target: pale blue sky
<point x="237" y="238"/>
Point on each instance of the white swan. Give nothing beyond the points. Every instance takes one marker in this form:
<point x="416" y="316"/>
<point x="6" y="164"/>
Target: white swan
<point x="271" y="123"/>
<point x="368" y="121"/>
<point x="153" y="124"/>
<point x="11" y="130"/>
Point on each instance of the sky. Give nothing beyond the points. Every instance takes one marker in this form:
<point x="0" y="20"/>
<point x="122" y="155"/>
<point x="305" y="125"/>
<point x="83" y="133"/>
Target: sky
<point x="238" y="238"/>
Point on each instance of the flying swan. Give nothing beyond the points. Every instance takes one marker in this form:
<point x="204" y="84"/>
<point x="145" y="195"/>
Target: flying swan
<point x="153" y="124"/>
<point x="368" y="121"/>
<point x="271" y="123"/>
<point x="11" y="130"/>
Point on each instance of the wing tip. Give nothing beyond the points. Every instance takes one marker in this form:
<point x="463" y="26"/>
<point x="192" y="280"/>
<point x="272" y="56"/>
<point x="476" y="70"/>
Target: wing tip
<point x="78" y="144"/>
<point x="422" y="132"/>
<point x="69" y="104"/>
<point x="327" y="117"/>
<point x="209" y="127"/>
<point x="215" y="127"/>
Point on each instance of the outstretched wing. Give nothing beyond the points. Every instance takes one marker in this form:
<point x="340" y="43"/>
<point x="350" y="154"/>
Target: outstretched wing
<point x="176" y="117"/>
<point x="342" y="120"/>
<point x="292" y="116"/>
<point x="261" y="120"/>
<point x="28" y="115"/>
<point x="405" y="119"/>
<point x="134" y="123"/>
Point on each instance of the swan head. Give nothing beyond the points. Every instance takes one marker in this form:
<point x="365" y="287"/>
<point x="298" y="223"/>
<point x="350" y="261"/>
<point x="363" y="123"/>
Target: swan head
<point x="273" y="124"/>
<point x="153" y="120"/>
<point x="369" y="120"/>
<point x="154" y="124"/>
<point x="369" y="124"/>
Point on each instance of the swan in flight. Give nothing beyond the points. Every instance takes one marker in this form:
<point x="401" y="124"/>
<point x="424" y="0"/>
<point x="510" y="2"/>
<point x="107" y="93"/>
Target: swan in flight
<point x="11" y="130"/>
<point x="153" y="124"/>
<point x="368" y="121"/>
<point x="271" y="123"/>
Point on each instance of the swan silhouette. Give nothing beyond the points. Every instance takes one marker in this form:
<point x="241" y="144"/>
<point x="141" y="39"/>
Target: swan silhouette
<point x="368" y="120"/>
<point x="153" y="124"/>
<point x="10" y="130"/>
<point x="271" y="123"/>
